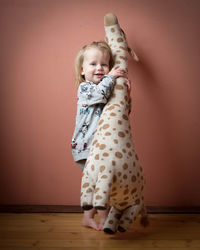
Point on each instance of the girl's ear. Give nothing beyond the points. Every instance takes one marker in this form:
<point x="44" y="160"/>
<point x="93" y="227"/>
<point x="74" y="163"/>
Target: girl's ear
<point x="82" y="72"/>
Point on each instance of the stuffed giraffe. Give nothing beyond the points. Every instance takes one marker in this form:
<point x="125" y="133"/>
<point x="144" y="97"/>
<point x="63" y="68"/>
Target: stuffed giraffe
<point x="113" y="174"/>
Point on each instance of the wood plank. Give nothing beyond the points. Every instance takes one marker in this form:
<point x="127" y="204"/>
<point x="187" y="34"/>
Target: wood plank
<point x="64" y="231"/>
<point x="103" y="243"/>
<point x="91" y="248"/>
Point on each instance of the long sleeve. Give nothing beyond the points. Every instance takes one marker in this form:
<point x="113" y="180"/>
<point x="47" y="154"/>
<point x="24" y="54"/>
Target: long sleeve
<point x="91" y="94"/>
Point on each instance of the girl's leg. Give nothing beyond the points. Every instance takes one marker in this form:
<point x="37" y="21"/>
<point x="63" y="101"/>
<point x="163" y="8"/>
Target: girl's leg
<point x="103" y="216"/>
<point x="88" y="219"/>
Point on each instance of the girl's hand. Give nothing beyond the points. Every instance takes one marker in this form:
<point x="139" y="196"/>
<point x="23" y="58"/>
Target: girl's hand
<point x="128" y="83"/>
<point x="117" y="72"/>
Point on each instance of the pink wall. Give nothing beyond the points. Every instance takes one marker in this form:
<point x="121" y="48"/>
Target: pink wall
<point x="39" y="41"/>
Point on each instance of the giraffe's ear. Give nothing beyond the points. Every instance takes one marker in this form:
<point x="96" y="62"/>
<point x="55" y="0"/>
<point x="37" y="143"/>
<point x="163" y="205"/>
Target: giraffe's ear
<point x="133" y="54"/>
<point x="130" y="51"/>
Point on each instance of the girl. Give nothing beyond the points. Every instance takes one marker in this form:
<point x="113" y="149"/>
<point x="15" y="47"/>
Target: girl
<point x="96" y="78"/>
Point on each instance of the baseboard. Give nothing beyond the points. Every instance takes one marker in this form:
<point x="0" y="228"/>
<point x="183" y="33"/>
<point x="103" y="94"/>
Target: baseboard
<point x="77" y="209"/>
<point x="40" y="209"/>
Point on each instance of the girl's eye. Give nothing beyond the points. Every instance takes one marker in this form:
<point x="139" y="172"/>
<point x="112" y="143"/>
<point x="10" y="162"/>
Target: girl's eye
<point x="104" y="65"/>
<point x="93" y="64"/>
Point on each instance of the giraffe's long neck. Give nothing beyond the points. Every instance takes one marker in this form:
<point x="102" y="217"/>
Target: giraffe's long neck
<point x="117" y="42"/>
<point x="120" y="93"/>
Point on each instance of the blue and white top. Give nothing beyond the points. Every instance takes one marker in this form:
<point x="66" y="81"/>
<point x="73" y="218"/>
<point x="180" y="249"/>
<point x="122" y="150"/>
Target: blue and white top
<point x="91" y="101"/>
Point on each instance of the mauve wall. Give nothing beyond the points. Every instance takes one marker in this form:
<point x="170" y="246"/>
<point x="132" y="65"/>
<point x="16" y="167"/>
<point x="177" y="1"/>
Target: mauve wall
<point x="39" y="41"/>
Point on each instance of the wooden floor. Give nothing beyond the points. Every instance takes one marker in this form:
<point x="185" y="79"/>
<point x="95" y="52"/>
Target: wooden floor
<point x="49" y="231"/>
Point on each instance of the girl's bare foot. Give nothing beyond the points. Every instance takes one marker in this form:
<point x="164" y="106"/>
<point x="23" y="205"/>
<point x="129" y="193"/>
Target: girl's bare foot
<point x="101" y="224"/>
<point x="88" y="219"/>
<point x="90" y="222"/>
<point x="102" y="215"/>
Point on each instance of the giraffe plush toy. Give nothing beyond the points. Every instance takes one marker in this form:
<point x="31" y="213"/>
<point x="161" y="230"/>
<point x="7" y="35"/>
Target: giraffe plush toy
<point x="113" y="174"/>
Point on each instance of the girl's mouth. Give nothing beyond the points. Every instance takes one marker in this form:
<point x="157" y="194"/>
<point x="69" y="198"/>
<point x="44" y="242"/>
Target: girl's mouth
<point x="99" y="75"/>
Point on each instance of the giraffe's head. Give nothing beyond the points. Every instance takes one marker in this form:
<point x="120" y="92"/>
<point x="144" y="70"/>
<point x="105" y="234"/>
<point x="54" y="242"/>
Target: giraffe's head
<point x="116" y="38"/>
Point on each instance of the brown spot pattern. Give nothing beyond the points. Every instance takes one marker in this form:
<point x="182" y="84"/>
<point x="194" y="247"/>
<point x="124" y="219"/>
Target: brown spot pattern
<point x="123" y="57"/>
<point x="129" y="153"/>
<point x="101" y="121"/>
<point x="86" y="185"/>
<point x="105" y="154"/>
<point x="119" y="87"/>
<point x="89" y="190"/>
<point x="96" y="157"/>
<point x="96" y="190"/>
<point x="125" y="166"/>
<point x="123" y="203"/>
<point x="133" y="178"/>
<point x="119" y="122"/>
<point x="102" y="168"/>
<point x="114" y="178"/>
<point x="113" y="194"/>
<point x="111" y="107"/>
<point x="120" y="40"/>
<point x="102" y="146"/>
<point x="98" y="197"/>
<point x="94" y="142"/>
<point x="105" y="126"/>
<point x="137" y="201"/>
<point x="104" y="176"/>
<point x="124" y="48"/>
<point x="126" y="191"/>
<point x="134" y="190"/>
<point x="119" y="174"/>
<point x="107" y="133"/>
<point x="118" y="155"/>
<point x="121" y="134"/>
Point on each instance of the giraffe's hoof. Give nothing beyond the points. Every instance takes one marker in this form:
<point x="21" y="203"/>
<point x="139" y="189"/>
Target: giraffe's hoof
<point x="87" y="207"/>
<point x="108" y="231"/>
<point x="121" y="229"/>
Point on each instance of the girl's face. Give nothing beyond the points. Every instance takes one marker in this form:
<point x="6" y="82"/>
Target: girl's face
<point x="95" y="65"/>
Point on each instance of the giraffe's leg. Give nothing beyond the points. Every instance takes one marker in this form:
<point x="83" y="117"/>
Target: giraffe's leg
<point x="144" y="216"/>
<point x="87" y="191"/>
<point x="102" y="191"/>
<point x="112" y="221"/>
<point x="128" y="216"/>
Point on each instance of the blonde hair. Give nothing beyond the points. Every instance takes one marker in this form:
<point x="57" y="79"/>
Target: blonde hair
<point x="103" y="46"/>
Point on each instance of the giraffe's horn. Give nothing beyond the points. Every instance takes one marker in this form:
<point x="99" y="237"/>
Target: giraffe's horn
<point x="110" y="19"/>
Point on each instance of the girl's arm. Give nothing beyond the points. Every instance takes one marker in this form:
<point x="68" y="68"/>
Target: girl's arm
<point x="91" y="94"/>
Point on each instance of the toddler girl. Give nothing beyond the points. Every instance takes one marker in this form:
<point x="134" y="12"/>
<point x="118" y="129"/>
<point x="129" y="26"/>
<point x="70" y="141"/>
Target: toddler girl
<point x="96" y="78"/>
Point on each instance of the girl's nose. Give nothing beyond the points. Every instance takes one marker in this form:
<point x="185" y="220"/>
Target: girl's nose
<point x="99" y="66"/>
